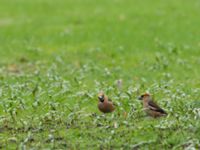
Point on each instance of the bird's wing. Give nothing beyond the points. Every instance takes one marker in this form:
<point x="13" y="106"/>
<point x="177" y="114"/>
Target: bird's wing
<point x="155" y="107"/>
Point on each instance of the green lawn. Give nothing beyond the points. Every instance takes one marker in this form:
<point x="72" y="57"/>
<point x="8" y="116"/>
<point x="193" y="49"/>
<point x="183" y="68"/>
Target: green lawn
<point x="56" y="55"/>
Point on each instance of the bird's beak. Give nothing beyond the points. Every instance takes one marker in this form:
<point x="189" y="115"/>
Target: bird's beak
<point x="101" y="98"/>
<point x="140" y="98"/>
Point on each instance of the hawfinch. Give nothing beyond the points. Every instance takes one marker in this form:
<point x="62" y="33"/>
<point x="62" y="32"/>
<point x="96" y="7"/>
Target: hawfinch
<point x="105" y="105"/>
<point x="150" y="107"/>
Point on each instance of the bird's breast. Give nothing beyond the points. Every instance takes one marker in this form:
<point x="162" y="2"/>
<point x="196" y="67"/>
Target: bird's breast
<point x="105" y="107"/>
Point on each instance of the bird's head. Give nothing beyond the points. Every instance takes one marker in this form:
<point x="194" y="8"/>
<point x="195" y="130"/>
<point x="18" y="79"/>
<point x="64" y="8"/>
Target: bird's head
<point x="101" y="97"/>
<point x="144" y="96"/>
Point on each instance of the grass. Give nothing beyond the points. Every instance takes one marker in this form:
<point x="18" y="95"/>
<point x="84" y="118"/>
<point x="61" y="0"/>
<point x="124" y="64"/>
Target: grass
<point x="55" y="56"/>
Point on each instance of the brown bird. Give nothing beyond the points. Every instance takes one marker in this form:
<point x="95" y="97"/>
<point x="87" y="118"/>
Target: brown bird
<point x="150" y="107"/>
<point x="105" y="104"/>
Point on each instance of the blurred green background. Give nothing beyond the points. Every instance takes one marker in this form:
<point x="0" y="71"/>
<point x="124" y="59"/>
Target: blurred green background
<point x="55" y="56"/>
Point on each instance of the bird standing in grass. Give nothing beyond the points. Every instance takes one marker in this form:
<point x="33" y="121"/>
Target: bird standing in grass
<point x="105" y="105"/>
<point x="150" y="107"/>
